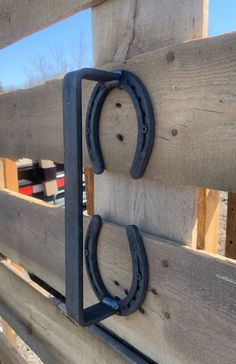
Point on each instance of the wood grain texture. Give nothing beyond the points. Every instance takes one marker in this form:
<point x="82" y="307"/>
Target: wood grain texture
<point x="181" y="281"/>
<point x="184" y="139"/>
<point x="19" y="18"/>
<point x="38" y="113"/>
<point x="8" y="355"/>
<point x="131" y="27"/>
<point x="230" y="244"/>
<point x="122" y="29"/>
<point x="156" y="208"/>
<point x="195" y="94"/>
<point x="47" y="330"/>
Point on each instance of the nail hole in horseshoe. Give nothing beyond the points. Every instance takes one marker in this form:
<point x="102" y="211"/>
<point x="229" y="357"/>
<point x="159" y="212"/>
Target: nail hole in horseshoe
<point x="144" y="129"/>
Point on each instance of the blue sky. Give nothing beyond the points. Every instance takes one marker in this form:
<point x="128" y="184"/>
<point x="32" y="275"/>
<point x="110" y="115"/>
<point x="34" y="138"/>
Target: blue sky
<point x="17" y="58"/>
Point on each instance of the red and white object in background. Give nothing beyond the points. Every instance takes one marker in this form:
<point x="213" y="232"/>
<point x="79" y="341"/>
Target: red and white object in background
<point x="30" y="189"/>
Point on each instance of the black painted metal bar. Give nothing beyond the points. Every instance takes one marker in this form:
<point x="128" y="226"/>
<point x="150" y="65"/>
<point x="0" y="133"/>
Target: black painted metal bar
<point x="72" y="116"/>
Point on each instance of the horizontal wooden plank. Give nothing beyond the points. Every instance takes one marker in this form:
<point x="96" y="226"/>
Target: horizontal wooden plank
<point x="192" y="87"/>
<point x="19" y="18"/>
<point x="187" y="289"/>
<point x="9" y="355"/>
<point x="47" y="330"/>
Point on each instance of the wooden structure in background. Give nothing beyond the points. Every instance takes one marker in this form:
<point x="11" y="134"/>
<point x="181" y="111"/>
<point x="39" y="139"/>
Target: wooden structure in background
<point x="8" y="174"/>
<point x="207" y="234"/>
<point x="89" y="185"/>
<point x="49" y="186"/>
<point x="192" y="88"/>
<point x="230" y="246"/>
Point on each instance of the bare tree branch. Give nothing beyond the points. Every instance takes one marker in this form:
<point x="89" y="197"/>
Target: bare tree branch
<point x="58" y="62"/>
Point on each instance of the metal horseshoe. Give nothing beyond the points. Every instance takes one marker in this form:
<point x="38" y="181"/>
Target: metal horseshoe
<point x="139" y="285"/>
<point x="145" y="118"/>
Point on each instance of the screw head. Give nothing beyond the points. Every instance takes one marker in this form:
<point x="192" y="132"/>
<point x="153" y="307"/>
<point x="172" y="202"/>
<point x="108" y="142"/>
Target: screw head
<point x="154" y="291"/>
<point x="170" y="57"/>
<point x="120" y="137"/>
<point x="174" y="132"/>
<point x="165" y="263"/>
<point x="167" y="315"/>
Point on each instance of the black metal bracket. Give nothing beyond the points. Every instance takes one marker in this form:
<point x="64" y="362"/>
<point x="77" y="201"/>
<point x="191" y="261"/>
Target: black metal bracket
<point x="72" y="116"/>
<point x="146" y="125"/>
<point x="139" y="285"/>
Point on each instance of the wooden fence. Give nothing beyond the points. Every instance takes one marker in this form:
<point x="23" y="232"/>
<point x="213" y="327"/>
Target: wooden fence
<point x="189" y="314"/>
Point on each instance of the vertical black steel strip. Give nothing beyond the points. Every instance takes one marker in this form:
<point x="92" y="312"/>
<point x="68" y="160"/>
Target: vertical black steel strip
<point x="72" y="115"/>
<point x="73" y="159"/>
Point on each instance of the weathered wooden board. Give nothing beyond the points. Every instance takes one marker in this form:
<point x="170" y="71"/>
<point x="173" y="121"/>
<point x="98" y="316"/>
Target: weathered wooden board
<point x="19" y="18"/>
<point x="181" y="282"/>
<point x="37" y="221"/>
<point x="122" y="29"/>
<point x="166" y="210"/>
<point x="194" y="95"/>
<point x="32" y="123"/>
<point x="9" y="355"/>
<point x="47" y="330"/>
<point x="125" y="28"/>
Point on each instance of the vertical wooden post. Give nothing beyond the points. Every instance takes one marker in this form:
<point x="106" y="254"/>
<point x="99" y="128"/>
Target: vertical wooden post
<point x="49" y="185"/>
<point x="2" y="179"/>
<point x="9" y="180"/>
<point x="207" y="232"/>
<point x="10" y="175"/>
<point x="230" y="244"/>
<point x="122" y="29"/>
<point x="89" y="185"/>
